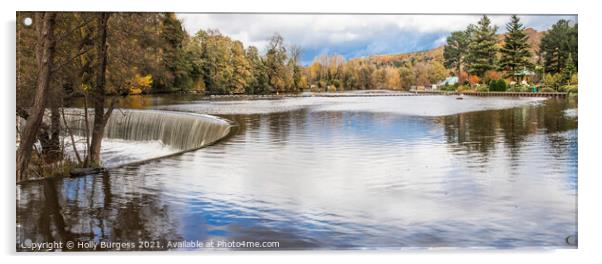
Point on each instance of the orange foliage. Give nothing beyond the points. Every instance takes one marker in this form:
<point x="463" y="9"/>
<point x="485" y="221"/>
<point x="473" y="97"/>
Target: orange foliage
<point x="474" y="79"/>
<point x="462" y="77"/>
<point x="492" y="75"/>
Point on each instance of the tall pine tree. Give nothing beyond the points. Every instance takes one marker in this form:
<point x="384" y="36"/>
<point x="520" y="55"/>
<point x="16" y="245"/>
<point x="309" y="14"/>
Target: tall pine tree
<point x="454" y="53"/>
<point x="557" y="44"/>
<point x="515" y="53"/>
<point x="568" y="70"/>
<point x="482" y="48"/>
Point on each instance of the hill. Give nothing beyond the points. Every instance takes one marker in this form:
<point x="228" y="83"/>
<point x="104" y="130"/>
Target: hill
<point x="437" y="53"/>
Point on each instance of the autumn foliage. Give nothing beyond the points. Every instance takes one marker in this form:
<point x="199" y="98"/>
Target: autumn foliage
<point x="140" y="84"/>
<point x="473" y="80"/>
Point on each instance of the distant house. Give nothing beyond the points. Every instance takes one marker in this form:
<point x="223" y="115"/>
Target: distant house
<point x="431" y="87"/>
<point x="526" y="76"/>
<point x="525" y="72"/>
<point x="449" y="81"/>
<point x="422" y="87"/>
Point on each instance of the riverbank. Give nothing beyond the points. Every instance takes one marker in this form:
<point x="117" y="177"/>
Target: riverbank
<point x="144" y="101"/>
<point x="391" y="93"/>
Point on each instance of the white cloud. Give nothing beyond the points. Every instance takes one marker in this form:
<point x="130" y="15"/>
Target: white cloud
<point x="350" y="35"/>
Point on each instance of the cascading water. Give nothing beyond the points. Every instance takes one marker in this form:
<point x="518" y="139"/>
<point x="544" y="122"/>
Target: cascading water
<point x="178" y="131"/>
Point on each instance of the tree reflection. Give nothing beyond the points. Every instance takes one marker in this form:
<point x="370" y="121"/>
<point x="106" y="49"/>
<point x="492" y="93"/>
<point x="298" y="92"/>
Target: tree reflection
<point x="478" y="131"/>
<point x="67" y="212"/>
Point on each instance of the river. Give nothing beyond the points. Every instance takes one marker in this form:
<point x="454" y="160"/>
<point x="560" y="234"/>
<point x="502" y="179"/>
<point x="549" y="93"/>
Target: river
<point x="332" y="173"/>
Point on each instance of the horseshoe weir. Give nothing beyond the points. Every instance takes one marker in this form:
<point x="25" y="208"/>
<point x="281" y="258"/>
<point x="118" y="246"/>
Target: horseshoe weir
<point x="179" y="131"/>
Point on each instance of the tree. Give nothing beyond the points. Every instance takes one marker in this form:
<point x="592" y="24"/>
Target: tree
<point x="295" y="68"/>
<point x="515" y="54"/>
<point x="217" y="67"/>
<point x="176" y="65"/>
<point x="275" y="64"/>
<point x="44" y="54"/>
<point x="259" y="83"/>
<point x="194" y="54"/>
<point x="99" y="92"/>
<point x="242" y="69"/>
<point x="454" y="53"/>
<point x="407" y="77"/>
<point x="557" y="44"/>
<point x="392" y="78"/>
<point x="482" y="49"/>
<point x="437" y="72"/>
<point x="422" y="74"/>
<point x="569" y="70"/>
<point x="140" y="84"/>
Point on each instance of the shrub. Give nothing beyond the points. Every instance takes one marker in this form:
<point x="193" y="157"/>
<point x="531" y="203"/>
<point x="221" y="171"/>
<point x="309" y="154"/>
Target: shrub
<point x="462" y="88"/>
<point x="519" y="88"/>
<point x="473" y="80"/>
<point x="322" y="84"/>
<point x="483" y="88"/>
<point x="448" y="87"/>
<point x="492" y="76"/>
<point x="336" y="83"/>
<point x="548" y="90"/>
<point x="569" y="88"/>
<point x="498" y="85"/>
<point x="574" y="79"/>
<point x="553" y="80"/>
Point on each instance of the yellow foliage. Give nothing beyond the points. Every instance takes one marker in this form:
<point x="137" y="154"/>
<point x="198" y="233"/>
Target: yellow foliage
<point x="135" y="91"/>
<point x="199" y="86"/>
<point x="140" y="84"/>
<point x="303" y="84"/>
<point x="85" y="87"/>
<point x="574" y="79"/>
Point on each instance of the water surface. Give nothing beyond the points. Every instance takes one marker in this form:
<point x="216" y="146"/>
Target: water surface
<point x="337" y="173"/>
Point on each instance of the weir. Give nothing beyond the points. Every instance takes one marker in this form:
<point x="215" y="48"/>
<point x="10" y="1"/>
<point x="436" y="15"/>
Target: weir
<point x="183" y="131"/>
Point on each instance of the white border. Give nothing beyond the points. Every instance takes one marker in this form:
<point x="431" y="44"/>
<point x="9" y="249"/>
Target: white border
<point x="589" y="129"/>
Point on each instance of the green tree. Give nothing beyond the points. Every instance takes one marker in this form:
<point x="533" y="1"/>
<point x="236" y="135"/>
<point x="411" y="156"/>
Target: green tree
<point x="515" y="54"/>
<point x="482" y="49"/>
<point x="295" y="68"/>
<point x="176" y="64"/>
<point x="454" y="53"/>
<point x="557" y="44"/>
<point x="217" y="68"/>
<point x="569" y="70"/>
<point x="259" y="83"/>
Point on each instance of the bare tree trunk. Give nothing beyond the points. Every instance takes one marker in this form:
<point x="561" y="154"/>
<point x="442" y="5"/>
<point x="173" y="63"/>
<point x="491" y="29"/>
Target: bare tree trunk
<point x="55" y="128"/>
<point x="70" y="133"/>
<point x="44" y="55"/>
<point x="98" y="93"/>
<point x="49" y="136"/>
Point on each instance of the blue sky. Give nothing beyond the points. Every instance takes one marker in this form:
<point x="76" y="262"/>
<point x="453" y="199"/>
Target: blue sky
<point x="350" y="35"/>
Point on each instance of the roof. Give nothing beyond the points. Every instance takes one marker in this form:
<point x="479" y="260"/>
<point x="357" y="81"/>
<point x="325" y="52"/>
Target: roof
<point x="524" y="72"/>
<point x="449" y="80"/>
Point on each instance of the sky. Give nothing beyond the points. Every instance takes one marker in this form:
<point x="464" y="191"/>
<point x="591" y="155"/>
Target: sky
<point x="350" y="35"/>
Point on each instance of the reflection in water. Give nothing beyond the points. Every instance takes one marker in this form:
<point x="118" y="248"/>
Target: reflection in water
<point x="320" y="177"/>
